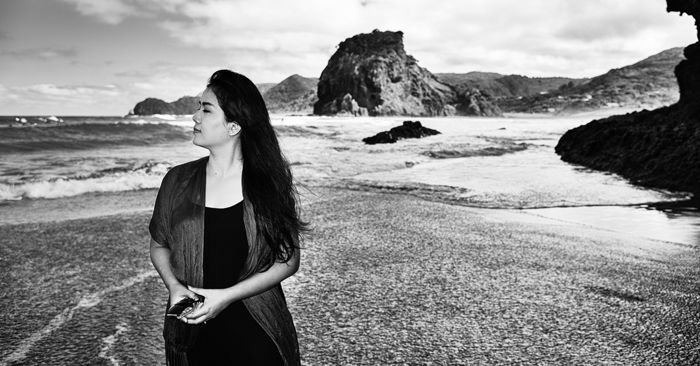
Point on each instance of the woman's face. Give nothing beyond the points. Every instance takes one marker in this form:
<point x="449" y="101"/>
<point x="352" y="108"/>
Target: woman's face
<point x="209" y="122"/>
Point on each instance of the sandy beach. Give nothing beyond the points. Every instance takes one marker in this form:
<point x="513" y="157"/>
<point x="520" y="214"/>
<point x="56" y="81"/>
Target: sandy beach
<point x="386" y="278"/>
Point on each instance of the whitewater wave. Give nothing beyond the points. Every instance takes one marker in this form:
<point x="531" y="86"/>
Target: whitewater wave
<point x="90" y="135"/>
<point x="488" y="151"/>
<point x="148" y="175"/>
<point x="306" y="131"/>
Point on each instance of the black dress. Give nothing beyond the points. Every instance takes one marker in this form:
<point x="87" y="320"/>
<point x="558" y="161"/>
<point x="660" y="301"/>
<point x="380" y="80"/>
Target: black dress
<point x="233" y="337"/>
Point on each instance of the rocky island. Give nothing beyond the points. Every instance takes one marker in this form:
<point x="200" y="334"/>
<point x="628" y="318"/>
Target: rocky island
<point x="149" y="106"/>
<point x="658" y="148"/>
<point x="371" y="74"/>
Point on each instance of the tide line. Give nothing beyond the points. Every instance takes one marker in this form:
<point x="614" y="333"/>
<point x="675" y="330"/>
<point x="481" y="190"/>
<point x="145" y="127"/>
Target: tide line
<point x="107" y="349"/>
<point x="86" y="302"/>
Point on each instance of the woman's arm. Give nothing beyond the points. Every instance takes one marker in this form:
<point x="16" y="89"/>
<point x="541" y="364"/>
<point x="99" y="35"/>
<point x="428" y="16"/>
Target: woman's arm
<point x="217" y="300"/>
<point x="160" y="257"/>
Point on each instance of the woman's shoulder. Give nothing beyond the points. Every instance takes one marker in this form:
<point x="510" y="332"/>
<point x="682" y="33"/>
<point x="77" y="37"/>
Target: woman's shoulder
<point x="190" y="165"/>
<point x="184" y="170"/>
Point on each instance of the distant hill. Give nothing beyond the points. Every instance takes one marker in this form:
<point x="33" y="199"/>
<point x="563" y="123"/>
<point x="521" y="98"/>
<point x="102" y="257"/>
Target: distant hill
<point x="149" y="106"/>
<point x="504" y="86"/>
<point x="293" y="94"/>
<point x="649" y="83"/>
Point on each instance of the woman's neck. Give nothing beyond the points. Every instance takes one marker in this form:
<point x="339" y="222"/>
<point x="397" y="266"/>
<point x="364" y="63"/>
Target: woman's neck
<point x="225" y="161"/>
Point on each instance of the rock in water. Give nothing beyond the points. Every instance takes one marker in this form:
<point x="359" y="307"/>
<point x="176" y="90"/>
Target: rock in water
<point x="372" y="74"/>
<point x="659" y="148"/>
<point x="409" y="130"/>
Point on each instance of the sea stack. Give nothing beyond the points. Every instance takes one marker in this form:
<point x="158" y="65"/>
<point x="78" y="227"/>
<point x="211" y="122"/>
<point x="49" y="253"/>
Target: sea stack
<point x="658" y="148"/>
<point x="372" y="74"/>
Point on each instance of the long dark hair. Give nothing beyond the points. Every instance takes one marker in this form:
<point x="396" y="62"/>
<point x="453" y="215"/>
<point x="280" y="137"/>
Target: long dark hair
<point x="267" y="178"/>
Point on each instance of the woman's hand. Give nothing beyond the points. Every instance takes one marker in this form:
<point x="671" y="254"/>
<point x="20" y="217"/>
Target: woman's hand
<point x="215" y="301"/>
<point x="179" y="292"/>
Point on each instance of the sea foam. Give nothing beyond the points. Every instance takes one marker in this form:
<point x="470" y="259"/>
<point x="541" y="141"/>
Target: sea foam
<point x="109" y="180"/>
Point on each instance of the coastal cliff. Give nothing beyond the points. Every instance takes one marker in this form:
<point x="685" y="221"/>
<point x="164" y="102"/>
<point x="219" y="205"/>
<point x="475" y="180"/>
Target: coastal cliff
<point x="372" y="74"/>
<point x="658" y="148"/>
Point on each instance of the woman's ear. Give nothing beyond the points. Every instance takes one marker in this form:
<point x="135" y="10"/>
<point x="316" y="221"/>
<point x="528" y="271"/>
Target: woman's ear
<point x="233" y="128"/>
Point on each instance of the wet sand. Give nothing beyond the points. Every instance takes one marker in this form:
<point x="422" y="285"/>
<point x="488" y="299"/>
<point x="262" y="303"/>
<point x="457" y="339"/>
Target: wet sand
<point x="386" y="278"/>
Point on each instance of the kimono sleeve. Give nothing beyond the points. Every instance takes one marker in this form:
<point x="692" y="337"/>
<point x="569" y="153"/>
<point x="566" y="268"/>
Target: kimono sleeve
<point x="159" y="227"/>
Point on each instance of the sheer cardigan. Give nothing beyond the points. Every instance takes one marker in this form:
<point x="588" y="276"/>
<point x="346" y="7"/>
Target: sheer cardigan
<point x="178" y="224"/>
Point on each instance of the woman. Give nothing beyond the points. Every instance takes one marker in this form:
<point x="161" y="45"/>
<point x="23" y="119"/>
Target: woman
<point x="225" y="227"/>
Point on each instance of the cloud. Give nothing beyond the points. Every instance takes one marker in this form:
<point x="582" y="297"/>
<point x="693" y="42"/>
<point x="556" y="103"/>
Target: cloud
<point x="67" y="92"/>
<point x="619" y="20"/>
<point x="115" y="11"/>
<point x="108" y="11"/>
<point x="59" y="99"/>
<point x="41" y="53"/>
<point x="42" y="93"/>
<point x="273" y="38"/>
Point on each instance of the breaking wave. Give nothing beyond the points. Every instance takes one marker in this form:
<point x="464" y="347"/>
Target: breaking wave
<point x="148" y="175"/>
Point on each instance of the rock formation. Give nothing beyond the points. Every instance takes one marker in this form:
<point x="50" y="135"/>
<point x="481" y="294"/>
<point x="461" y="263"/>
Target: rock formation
<point x="659" y="148"/>
<point x="373" y="71"/>
<point x="149" y="106"/>
<point x="408" y="130"/>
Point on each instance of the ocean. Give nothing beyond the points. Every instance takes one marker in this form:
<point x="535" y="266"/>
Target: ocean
<point x="506" y="163"/>
<point x="555" y="257"/>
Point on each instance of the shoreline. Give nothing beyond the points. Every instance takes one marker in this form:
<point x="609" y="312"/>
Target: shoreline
<point x="135" y="201"/>
<point x="671" y="220"/>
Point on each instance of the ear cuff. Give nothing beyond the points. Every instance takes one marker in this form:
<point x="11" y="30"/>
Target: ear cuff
<point x="233" y="129"/>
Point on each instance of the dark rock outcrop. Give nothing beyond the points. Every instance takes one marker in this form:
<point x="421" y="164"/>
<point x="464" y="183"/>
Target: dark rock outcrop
<point x="659" y="148"/>
<point x="293" y="94"/>
<point x="688" y="70"/>
<point x="149" y="106"/>
<point x="408" y="130"/>
<point x="379" y="76"/>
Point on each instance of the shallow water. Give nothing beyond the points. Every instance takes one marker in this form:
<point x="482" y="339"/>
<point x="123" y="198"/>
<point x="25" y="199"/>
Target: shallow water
<point x="677" y="225"/>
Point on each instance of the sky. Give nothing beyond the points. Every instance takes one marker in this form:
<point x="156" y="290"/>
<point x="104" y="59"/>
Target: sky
<point x="101" y="57"/>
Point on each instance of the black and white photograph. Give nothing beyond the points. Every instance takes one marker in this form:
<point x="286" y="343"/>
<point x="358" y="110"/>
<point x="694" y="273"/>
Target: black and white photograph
<point x="350" y="182"/>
